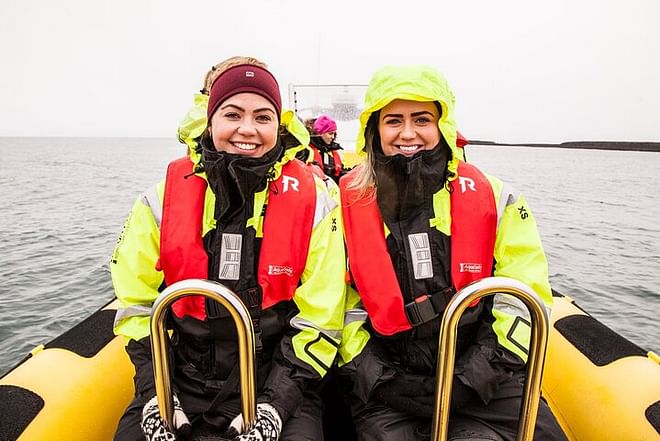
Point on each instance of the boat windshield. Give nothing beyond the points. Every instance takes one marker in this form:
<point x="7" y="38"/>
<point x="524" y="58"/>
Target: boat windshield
<point x="341" y="102"/>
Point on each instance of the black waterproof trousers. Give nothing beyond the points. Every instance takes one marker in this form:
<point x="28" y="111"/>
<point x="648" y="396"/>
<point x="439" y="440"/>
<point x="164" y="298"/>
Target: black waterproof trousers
<point x="473" y="421"/>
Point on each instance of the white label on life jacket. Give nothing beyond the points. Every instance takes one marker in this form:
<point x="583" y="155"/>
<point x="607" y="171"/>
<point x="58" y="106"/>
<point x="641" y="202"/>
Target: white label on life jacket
<point x="280" y="270"/>
<point x="469" y="267"/>
<point x="230" y="256"/>
<point x="420" y="252"/>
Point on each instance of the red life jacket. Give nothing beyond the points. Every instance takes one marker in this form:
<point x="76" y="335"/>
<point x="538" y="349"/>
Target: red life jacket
<point x="287" y="229"/>
<point x="335" y="156"/>
<point x="473" y="230"/>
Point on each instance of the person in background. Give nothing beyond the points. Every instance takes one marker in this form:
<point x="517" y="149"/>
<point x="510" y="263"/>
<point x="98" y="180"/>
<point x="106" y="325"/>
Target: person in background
<point x="326" y="150"/>
<point x="420" y="225"/>
<point x="241" y="210"/>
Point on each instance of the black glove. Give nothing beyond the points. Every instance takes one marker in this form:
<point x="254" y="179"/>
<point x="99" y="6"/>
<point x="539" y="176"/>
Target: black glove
<point x="153" y="426"/>
<point x="267" y="427"/>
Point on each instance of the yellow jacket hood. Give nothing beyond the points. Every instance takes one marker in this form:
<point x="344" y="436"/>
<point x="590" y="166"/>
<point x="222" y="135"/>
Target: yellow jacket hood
<point x="417" y="83"/>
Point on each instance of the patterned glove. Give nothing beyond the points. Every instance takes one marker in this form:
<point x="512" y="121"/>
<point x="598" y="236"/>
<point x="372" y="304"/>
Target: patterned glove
<point x="267" y="427"/>
<point x="153" y="426"/>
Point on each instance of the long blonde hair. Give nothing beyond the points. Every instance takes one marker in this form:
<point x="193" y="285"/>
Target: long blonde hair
<point x="364" y="179"/>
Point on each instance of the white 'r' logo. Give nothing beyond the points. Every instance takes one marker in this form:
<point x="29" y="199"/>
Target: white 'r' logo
<point x="466" y="183"/>
<point x="285" y="183"/>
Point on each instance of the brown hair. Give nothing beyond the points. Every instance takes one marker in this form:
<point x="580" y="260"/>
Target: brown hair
<point x="309" y="125"/>
<point x="222" y="66"/>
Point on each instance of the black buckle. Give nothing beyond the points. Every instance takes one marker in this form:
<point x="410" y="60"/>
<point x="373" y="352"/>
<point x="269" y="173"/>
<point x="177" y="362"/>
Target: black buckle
<point x="252" y="298"/>
<point x="420" y="310"/>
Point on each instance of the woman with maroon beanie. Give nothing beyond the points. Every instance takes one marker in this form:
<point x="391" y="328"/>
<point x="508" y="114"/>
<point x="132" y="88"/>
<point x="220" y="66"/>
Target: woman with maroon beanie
<point x="239" y="209"/>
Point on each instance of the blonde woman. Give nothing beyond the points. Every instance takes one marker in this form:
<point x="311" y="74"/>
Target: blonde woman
<point x="420" y="225"/>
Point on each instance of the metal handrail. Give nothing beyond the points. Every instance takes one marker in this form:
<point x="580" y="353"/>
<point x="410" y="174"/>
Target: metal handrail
<point x="246" y="344"/>
<point x="447" y="351"/>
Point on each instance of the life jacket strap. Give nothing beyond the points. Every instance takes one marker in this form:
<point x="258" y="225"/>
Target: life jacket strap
<point x="252" y="298"/>
<point x="427" y="307"/>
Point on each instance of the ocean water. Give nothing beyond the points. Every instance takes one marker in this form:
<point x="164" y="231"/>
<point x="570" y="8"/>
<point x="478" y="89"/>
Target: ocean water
<point x="64" y="201"/>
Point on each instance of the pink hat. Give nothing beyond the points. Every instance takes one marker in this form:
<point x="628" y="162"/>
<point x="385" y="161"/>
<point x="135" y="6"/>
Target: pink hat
<point x="324" y="124"/>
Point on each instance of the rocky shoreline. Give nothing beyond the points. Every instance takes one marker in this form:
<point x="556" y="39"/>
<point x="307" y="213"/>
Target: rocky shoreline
<point x="596" y="145"/>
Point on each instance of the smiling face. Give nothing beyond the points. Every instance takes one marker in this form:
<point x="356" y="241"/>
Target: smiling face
<point x="407" y="127"/>
<point x="245" y="124"/>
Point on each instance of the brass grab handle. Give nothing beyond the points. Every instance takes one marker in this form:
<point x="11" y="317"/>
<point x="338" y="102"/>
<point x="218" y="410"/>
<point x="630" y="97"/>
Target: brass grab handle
<point x="246" y="344"/>
<point x="447" y="351"/>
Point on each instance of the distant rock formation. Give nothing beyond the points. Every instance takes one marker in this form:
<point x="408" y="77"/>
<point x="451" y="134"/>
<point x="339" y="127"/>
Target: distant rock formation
<point x="597" y="145"/>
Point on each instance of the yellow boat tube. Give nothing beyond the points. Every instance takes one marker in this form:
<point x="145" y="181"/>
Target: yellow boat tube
<point x="599" y="385"/>
<point x="75" y="388"/>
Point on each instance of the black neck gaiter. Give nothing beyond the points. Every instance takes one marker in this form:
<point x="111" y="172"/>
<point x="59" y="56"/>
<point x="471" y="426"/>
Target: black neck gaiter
<point x="406" y="183"/>
<point x="236" y="178"/>
<point x="318" y="142"/>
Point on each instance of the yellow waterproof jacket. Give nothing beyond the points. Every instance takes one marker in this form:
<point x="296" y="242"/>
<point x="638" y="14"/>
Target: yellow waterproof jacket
<point x="320" y="297"/>
<point x="518" y="252"/>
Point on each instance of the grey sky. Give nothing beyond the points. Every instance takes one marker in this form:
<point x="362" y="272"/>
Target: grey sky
<point x="520" y="70"/>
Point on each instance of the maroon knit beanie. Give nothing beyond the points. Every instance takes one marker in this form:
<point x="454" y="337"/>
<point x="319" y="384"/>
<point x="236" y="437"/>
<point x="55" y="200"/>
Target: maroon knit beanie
<point x="244" y="78"/>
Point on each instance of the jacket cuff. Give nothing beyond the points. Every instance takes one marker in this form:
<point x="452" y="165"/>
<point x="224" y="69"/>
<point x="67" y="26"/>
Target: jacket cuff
<point x="366" y="371"/>
<point x="282" y="393"/>
<point x="483" y="369"/>
<point x="139" y="351"/>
